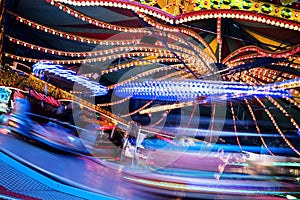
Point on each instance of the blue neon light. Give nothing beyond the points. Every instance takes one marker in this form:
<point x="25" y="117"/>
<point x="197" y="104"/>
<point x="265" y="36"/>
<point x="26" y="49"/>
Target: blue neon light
<point x="295" y="81"/>
<point x="4" y="98"/>
<point x="40" y="68"/>
<point x="173" y="90"/>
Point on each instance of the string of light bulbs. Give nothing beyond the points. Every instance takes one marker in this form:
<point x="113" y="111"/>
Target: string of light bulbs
<point x="107" y="52"/>
<point x="277" y="127"/>
<point x="256" y="126"/>
<point x="234" y="125"/>
<point x="260" y="15"/>
<point x="282" y="54"/>
<point x="71" y="36"/>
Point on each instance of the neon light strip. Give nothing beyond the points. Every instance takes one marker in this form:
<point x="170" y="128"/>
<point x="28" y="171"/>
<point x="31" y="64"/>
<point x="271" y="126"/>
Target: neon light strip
<point x="140" y="75"/>
<point x="190" y="89"/>
<point x="286" y="164"/>
<point x="257" y="127"/>
<point x="149" y="72"/>
<point x="287" y="84"/>
<point x="39" y="69"/>
<point x="147" y="104"/>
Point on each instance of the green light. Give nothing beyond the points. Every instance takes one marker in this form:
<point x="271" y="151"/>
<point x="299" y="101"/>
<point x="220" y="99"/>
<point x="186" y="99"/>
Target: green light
<point x="290" y="197"/>
<point x="266" y="8"/>
<point x="286" y="164"/>
<point x="216" y="3"/>
<point x="246" y="4"/>
<point x="286" y="13"/>
<point x="234" y="4"/>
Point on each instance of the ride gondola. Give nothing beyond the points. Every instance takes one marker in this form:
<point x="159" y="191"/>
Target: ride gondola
<point x="55" y="134"/>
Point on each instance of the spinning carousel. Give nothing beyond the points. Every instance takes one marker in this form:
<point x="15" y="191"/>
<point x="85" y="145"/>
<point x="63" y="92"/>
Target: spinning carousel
<point x="174" y="87"/>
